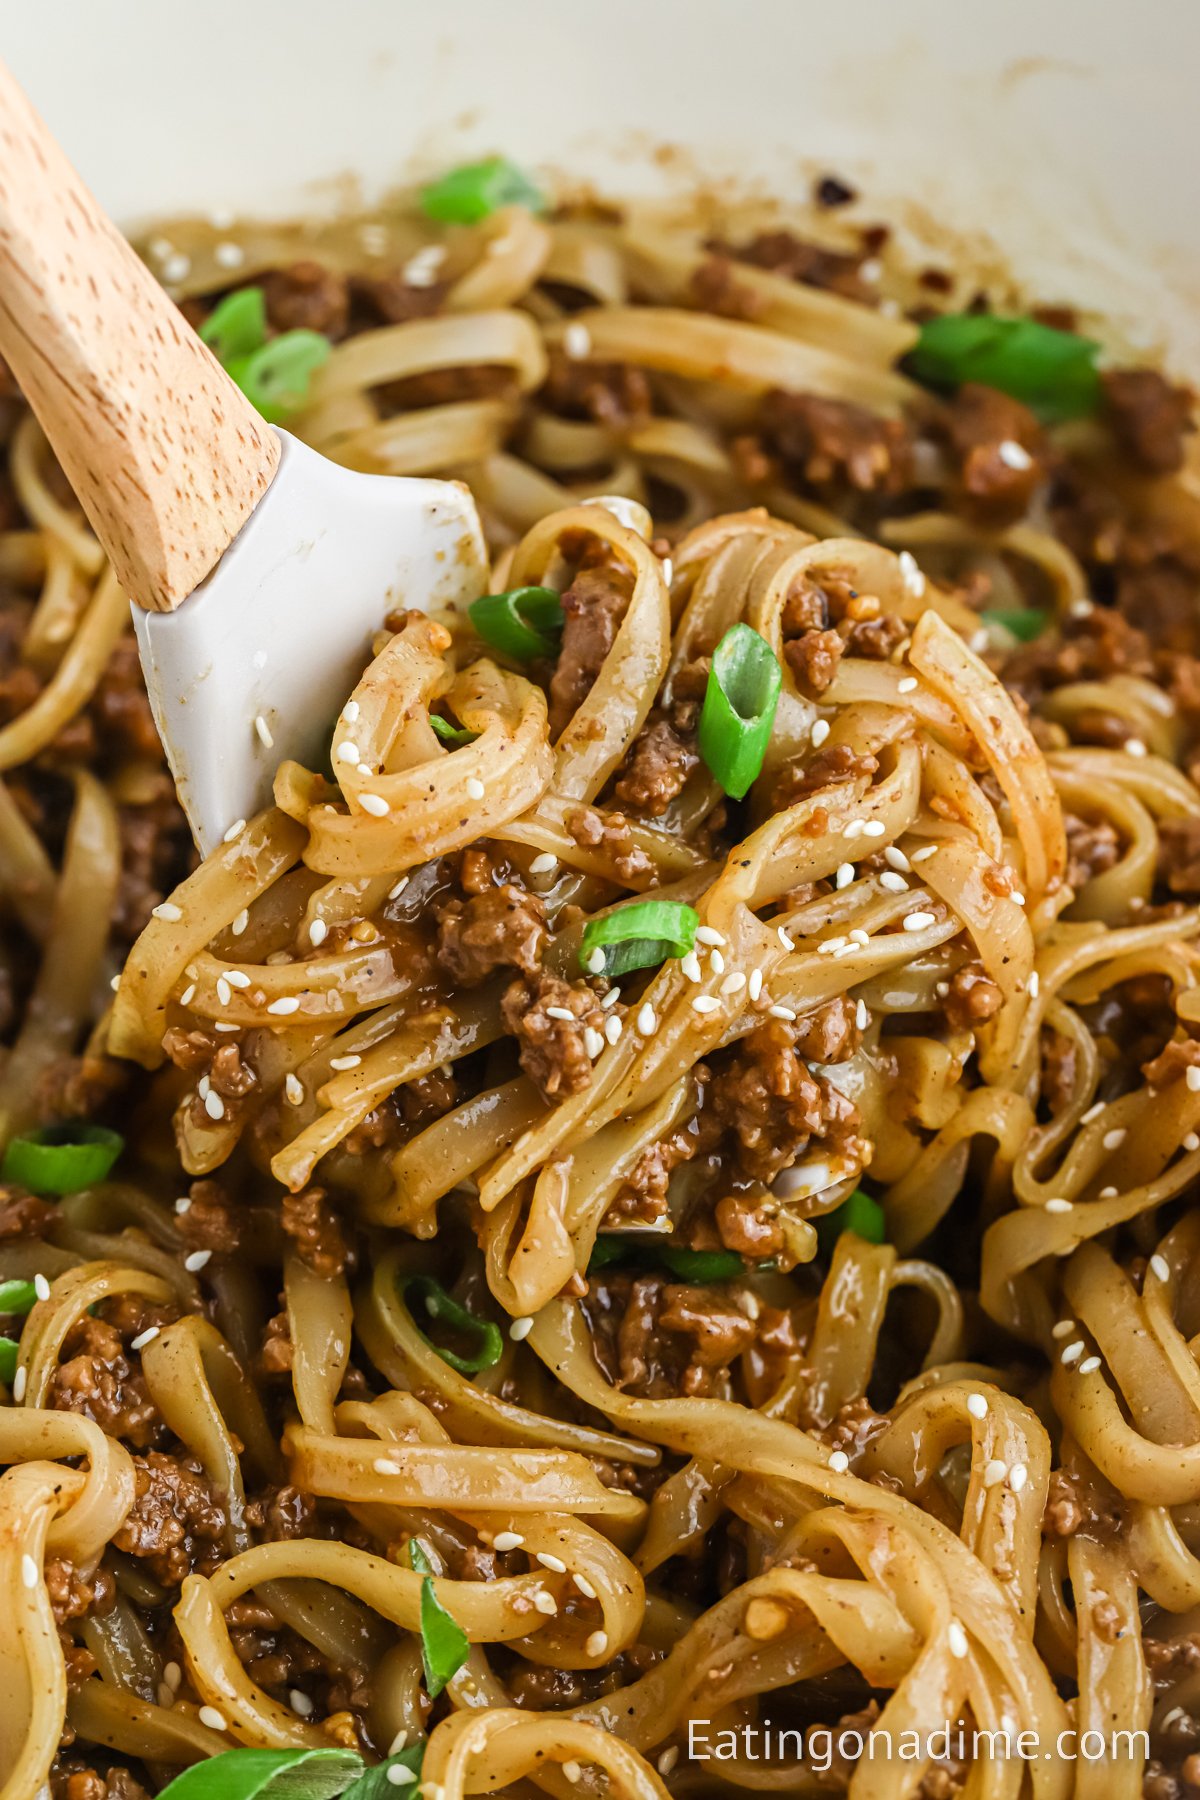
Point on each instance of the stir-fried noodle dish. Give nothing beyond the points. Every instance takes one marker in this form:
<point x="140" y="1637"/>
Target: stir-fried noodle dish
<point x="635" y="1228"/>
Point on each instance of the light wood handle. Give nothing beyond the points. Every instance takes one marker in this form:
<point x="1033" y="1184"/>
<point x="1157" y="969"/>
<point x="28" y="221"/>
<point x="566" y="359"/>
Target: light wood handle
<point x="167" y="456"/>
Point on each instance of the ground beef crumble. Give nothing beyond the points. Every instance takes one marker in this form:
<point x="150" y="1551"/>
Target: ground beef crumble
<point x="548" y="1017"/>
<point x="656" y="769"/>
<point x="177" y="1521"/>
<point x="312" y="1225"/>
<point x="96" y="1378"/>
<point x="772" y="1105"/>
<point x="593" y="607"/>
<point x="503" y="928"/>
<point x="609" y="833"/>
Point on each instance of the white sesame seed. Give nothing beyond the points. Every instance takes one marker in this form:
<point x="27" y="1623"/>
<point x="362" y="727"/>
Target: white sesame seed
<point x="554" y="1563"/>
<point x="395" y="892"/>
<point x="203" y="1086"/>
<point x="839" y="1462"/>
<point x="908" y="685"/>
<point x="235" y="831"/>
<point x="1089" y="1365"/>
<point x="668" y="570"/>
<point x="593" y="1041"/>
<point x="286" y="1003"/>
<point x="733" y="983"/>
<point x="237" y="978"/>
<point x="716" y="962"/>
<point x="1134" y="747"/>
<point x="19" y="1383"/>
<point x="1112" y="1140"/>
<point x="374" y="804"/>
<point x="264" y="732"/>
<point x="1014" y="455"/>
<point x="956" y="1637"/>
<point x="1192" y="1141"/>
<point x="707" y="1003"/>
<point x="508" y="1540"/>
<point x="755" y="985"/>
<point x="831" y="946"/>
<point x="167" y="911"/>
<point x="560" y="1012"/>
<point x="350" y="712"/>
<point x="706" y="934"/>
<point x="240" y="923"/>
<point x="208" y="1715"/>
<point x="924" y="855"/>
<point x="895" y="884"/>
<point x="229" y="256"/>
<point x="572" y="1770"/>
<point x="1192" y="1077"/>
<point x="854" y="828"/>
<point x="144" y="1337"/>
<point x="1093" y="1112"/>
<point x="475" y="788"/>
<point x="520" y="1329"/>
<point x="859" y="936"/>
<point x="978" y="640"/>
<point x="183" y="1204"/>
<point x="224" y="991"/>
<point x="173" y="1675"/>
<point x="114" y="982"/>
<point x="941" y="989"/>
<point x="895" y="858"/>
<point x="300" y="1703"/>
<point x="177" y="268"/>
<point x="1035" y="984"/>
<point x="611" y="998"/>
<point x="1108" y="1193"/>
<point x="874" y="828"/>
<point x="545" y="864"/>
<point x="29" y="1571"/>
<point x="781" y="1012"/>
<point x="399" y="1775"/>
<point x="1160" y="1267"/>
<point x="910" y="574"/>
<point x="917" y="921"/>
<point x="1058" y="1205"/>
<point x="224" y="1025"/>
<point x="214" y="1106"/>
<point x="41" y="1287"/>
<point x="584" y="1585"/>
<point x="347" y="751"/>
<point x="577" y="339"/>
<point x="342" y="1063"/>
<point x="994" y="1472"/>
<point x="613" y="1028"/>
<point x="293" y="1089"/>
<point x="844" y="875"/>
<point x="597" y="1644"/>
<point x="318" y="931"/>
<point x="788" y="943"/>
<point x="862" y="1016"/>
<point x="383" y="1465"/>
<point x="647" y="1024"/>
<point x="977" y="1406"/>
<point x="1018" y="1475"/>
<point x="668" y="1759"/>
<point x="199" y="1259"/>
<point x="545" y="1603"/>
<point x="819" y="733"/>
<point x="1073" y="1352"/>
<point x="1062" y="1328"/>
<point x="689" y="966"/>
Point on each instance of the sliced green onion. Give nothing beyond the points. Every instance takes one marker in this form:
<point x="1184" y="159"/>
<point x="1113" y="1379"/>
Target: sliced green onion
<point x="860" y="1214"/>
<point x="475" y="190"/>
<point x="275" y="377"/>
<point x="444" y="1645"/>
<point x="61" y="1159"/>
<point x="440" y="1305"/>
<point x="523" y="623"/>
<point x="236" y="325"/>
<point x="1053" y="372"/>
<point x="1023" y="622"/>
<point x="638" y="936"/>
<point x="739" y="708"/>
<point x="702" y="1266"/>
<point x="377" y="1784"/>
<point x="267" y="1775"/>
<point x="16" y="1298"/>
<point x="8" y="1360"/>
<point x="451" y="734"/>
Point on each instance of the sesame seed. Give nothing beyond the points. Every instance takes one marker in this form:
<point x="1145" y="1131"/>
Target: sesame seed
<point x="114" y="983"/>
<point x="819" y="733"/>
<point x="895" y="858"/>
<point x="293" y="1089"/>
<point x="286" y="1003"/>
<point x="237" y="978"/>
<point x="910" y="574"/>
<point x="940" y="988"/>
<point x="593" y="1041"/>
<point x="167" y="911"/>
<point x="917" y="921"/>
<point x="1018" y="1475"/>
<point x="788" y="943"/>
<point x="561" y="1012"/>
<point x="994" y="1473"/>
<point x="374" y="804"/>
<point x="520" y="1329"/>
<point x="707" y="1003"/>
<point x="584" y="1585"/>
<point x="475" y="788"/>
<point x="177" y="268"/>
<point x="572" y="1770"/>
<point x="924" y="855"/>
<point x="224" y="991"/>
<point x="978" y="640"/>
<point x="188" y="994"/>
<point x="717" y="962"/>
<point x="1192" y="1141"/>
<point x="977" y="1406"/>
<point x="203" y="1086"/>
<point x="647" y="1024"/>
<point x="839" y="1462"/>
<point x="613" y="1028"/>
<point x="831" y="946"/>
<point x="183" y="1204"/>
<point x="908" y="685"/>
<point x="1108" y="1193"/>
<point x="1134" y="747"/>
<point x="348" y="751"/>
<point x="224" y="1025"/>
<point x="706" y="934"/>
<point x="229" y="256"/>
<point x="862" y="1015"/>
<point x="956" y="1637"/>
<point x="1089" y="1365"/>
<point x="782" y="1012"/>
<point x="144" y="1337"/>
<point x="399" y="1775"/>
<point x="1035" y="984"/>
<point x="214" y="1106"/>
<point x="19" y="1382"/>
<point x="545" y="1603"/>
<point x="1014" y="455"/>
<point x="668" y="1759"/>
<point x="1112" y="1140"/>
<point x="1192" y="1077"/>
<point x="755" y="984"/>
<point x="1062" y="1328"/>
<point x="300" y="1703"/>
<point x="874" y="828"/>
<point x="859" y="936"/>
<point x="1058" y="1205"/>
<point x="844" y="875"/>
<point x="199" y="1259"/>
<point x="508" y="1540"/>
<point x="555" y="1563"/>
<point x="208" y="1715"/>
<point x="611" y="998"/>
<point x="545" y="864"/>
<point x="240" y="923"/>
<point x="1093" y="1112"/>
<point x="854" y="828"/>
<point x="41" y="1287"/>
<point x="577" y="340"/>
<point x="690" y="966"/>
<point x="235" y="831"/>
<point x="1073" y="1352"/>
<point x="895" y="884"/>
<point x="1160" y="1267"/>
<point x="173" y="1675"/>
<point x="264" y="732"/>
<point x="342" y="1063"/>
<point x="597" y="1644"/>
<point x="383" y="1465"/>
<point x="29" y="1571"/>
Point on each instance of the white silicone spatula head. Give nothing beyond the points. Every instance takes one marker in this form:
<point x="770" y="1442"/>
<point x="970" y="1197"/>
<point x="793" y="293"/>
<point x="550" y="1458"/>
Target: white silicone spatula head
<point x="258" y="570"/>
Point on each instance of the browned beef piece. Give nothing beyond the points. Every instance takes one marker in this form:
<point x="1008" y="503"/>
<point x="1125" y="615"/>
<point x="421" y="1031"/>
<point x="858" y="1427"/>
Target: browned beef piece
<point x="1092" y="847"/>
<point x="314" y="1227"/>
<point x="278" y="1351"/>
<point x="23" y="1215"/>
<point x="177" y="1519"/>
<point x="428" y="1098"/>
<point x="1000" y="451"/>
<point x="282" y="1512"/>
<point x="74" y="1781"/>
<point x="121" y="708"/>
<point x="615" y="394"/>
<point x="74" y="1595"/>
<point x="448" y="387"/>
<point x="1088" y="649"/>
<point x="609" y="831"/>
<point x="827" y="767"/>
<point x="1150" y="416"/>
<point x="772" y="1105"/>
<point x="715" y="288"/>
<point x="744" y="1226"/>
<point x="656" y="769"/>
<point x="307" y="296"/>
<point x="1179" y="855"/>
<point x="814" y="658"/>
<point x="973" y="997"/>
<point x="830" y="1034"/>
<point x="836" y="443"/>
<point x="552" y="1049"/>
<point x="801" y="260"/>
<point x="210" y="1221"/>
<point x="503" y="928"/>
<point x="1172" y="1062"/>
<point x="875" y="638"/>
<point x="644" y="1194"/>
<point x="1059" y="1070"/>
<point x="593" y="607"/>
<point x="1075" y="1502"/>
<point x="391" y="300"/>
<point x="98" y="1380"/>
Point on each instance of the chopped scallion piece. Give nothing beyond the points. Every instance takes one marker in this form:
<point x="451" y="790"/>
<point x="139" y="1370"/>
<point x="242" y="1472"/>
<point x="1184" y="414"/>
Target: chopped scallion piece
<point x="16" y="1298"/>
<point x="1052" y="372"/>
<point x="313" y="1774"/>
<point x="444" y="1645"/>
<point x="61" y="1159"/>
<point x="1023" y="622"/>
<point x="8" y="1360"/>
<point x="858" y="1213"/>
<point x="275" y="377"/>
<point x="451" y="734"/>
<point x="476" y="190"/>
<point x="523" y="623"/>
<point x="638" y="936"/>
<point x="443" y="1307"/>
<point x="236" y="325"/>
<point x="703" y="1266"/>
<point x="739" y="708"/>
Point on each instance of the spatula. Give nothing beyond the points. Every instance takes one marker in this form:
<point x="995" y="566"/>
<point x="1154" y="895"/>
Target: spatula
<point x="258" y="570"/>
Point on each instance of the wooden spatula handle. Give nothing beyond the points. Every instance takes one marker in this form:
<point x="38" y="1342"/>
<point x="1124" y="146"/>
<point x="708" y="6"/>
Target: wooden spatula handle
<point x="167" y="456"/>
